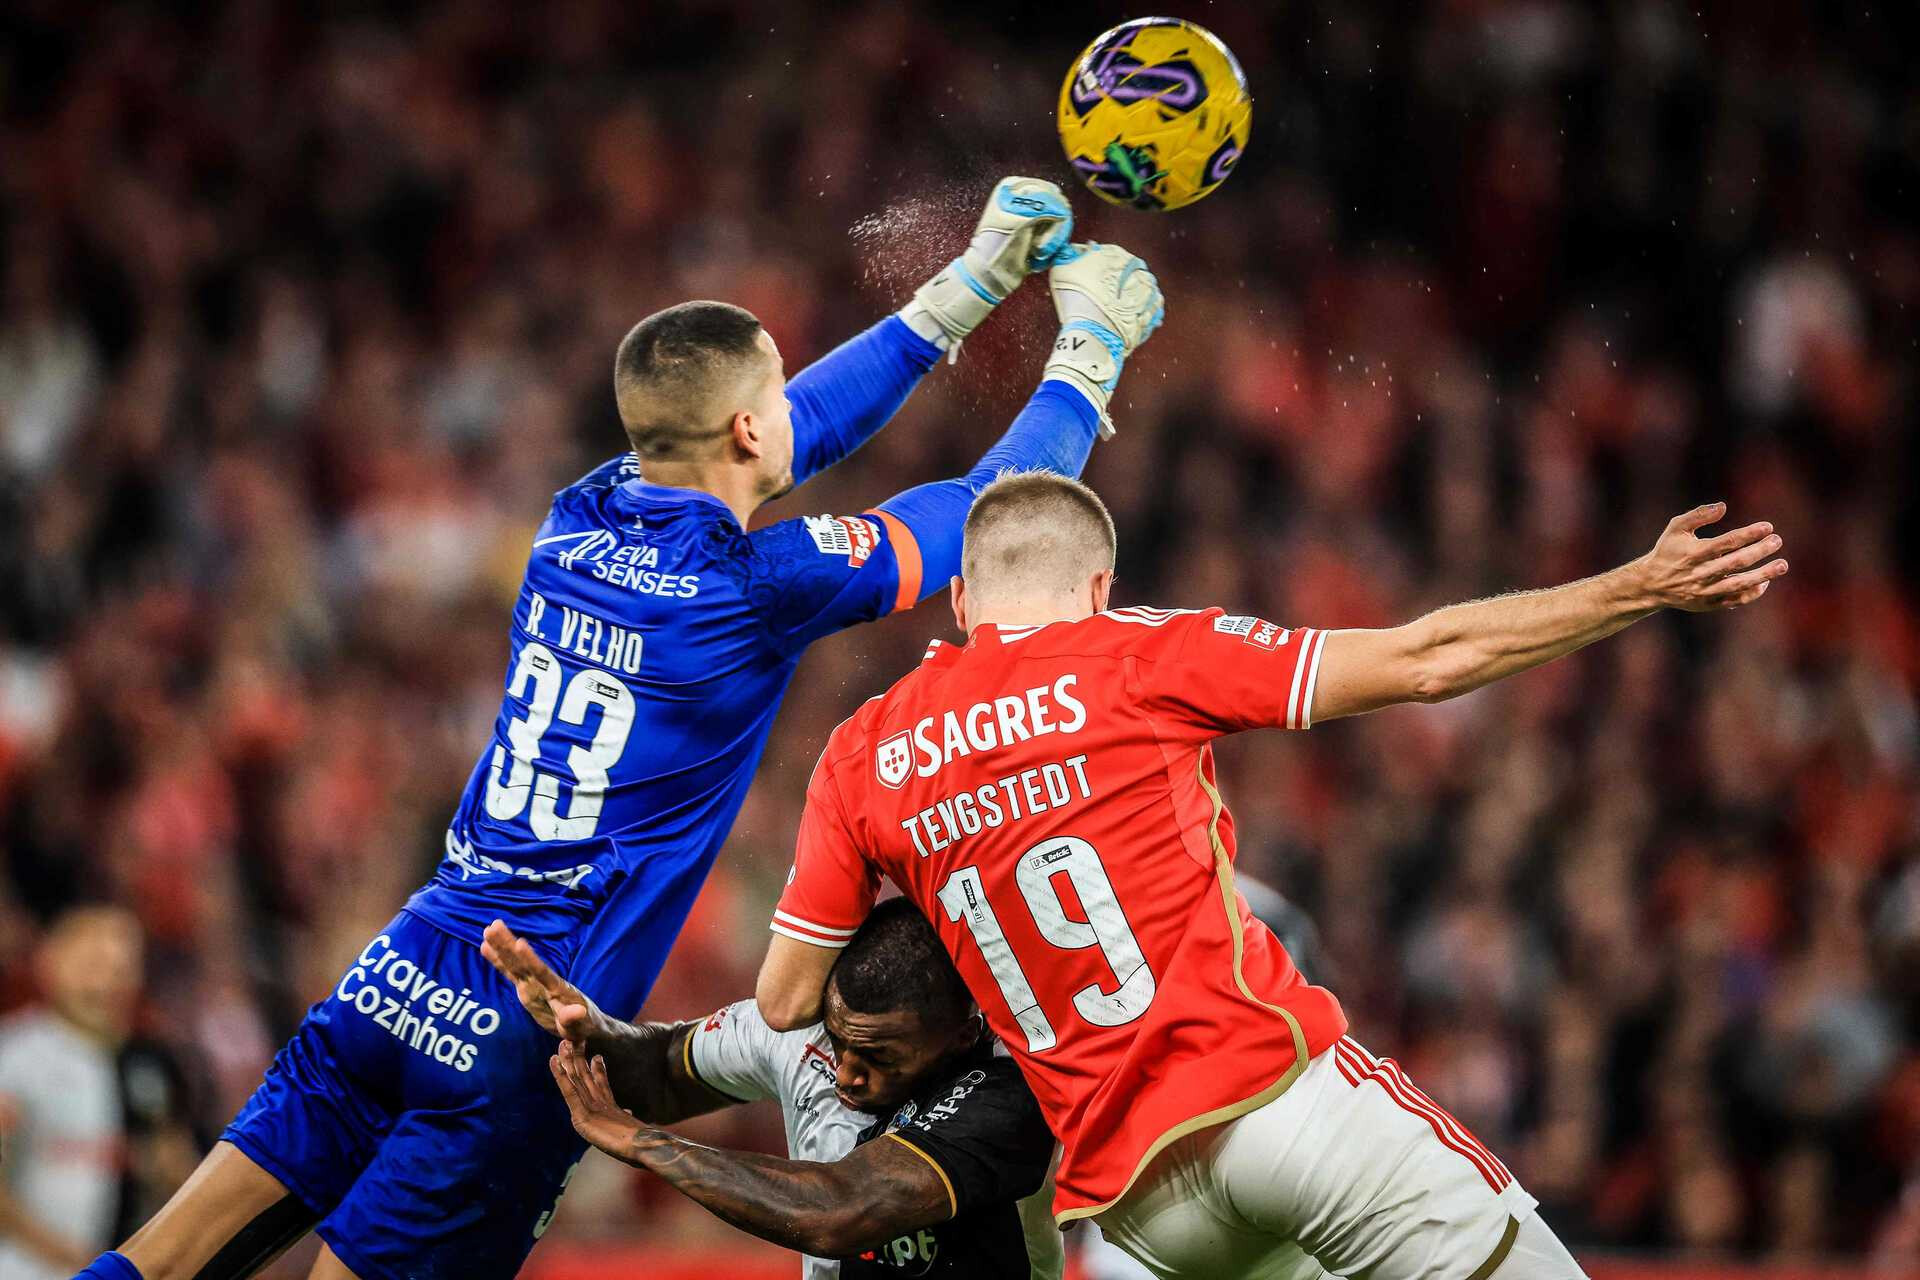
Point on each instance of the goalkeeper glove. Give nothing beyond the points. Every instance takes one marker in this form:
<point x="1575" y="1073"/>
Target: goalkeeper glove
<point x="1026" y="222"/>
<point x="1109" y="303"/>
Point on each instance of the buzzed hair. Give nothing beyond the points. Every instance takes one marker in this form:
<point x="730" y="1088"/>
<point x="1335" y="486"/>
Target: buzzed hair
<point x="681" y="374"/>
<point x="896" y="961"/>
<point x="1035" y="533"/>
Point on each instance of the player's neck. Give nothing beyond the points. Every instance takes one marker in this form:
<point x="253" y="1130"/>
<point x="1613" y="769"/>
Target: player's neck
<point x="1029" y="613"/>
<point x="739" y="488"/>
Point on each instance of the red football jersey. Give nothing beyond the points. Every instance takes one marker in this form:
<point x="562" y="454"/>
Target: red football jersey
<point x="1046" y="796"/>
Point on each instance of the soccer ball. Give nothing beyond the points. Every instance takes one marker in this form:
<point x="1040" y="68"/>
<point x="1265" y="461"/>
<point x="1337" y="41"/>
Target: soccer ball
<point x="1155" y="113"/>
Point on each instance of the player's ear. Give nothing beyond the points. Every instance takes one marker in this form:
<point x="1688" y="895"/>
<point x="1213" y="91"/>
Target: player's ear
<point x="967" y="1034"/>
<point x="1102" y="590"/>
<point x="747" y="435"/>
<point x="958" y="588"/>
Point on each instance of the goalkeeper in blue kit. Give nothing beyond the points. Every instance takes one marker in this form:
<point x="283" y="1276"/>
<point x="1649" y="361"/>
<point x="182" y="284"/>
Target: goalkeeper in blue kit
<point x="412" y="1121"/>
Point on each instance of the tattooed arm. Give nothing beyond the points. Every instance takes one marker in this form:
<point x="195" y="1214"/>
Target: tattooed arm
<point x="646" y="1068"/>
<point x="878" y="1191"/>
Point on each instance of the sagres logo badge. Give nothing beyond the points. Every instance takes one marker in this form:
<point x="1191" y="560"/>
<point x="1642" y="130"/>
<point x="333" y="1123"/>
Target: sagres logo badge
<point x="894" y="760"/>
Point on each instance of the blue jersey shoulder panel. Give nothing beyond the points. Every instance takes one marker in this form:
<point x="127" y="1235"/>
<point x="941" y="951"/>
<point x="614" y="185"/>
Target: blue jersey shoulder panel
<point x="814" y="575"/>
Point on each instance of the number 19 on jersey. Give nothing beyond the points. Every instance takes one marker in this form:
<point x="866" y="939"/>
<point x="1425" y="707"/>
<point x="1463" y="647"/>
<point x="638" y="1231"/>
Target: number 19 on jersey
<point x="965" y="898"/>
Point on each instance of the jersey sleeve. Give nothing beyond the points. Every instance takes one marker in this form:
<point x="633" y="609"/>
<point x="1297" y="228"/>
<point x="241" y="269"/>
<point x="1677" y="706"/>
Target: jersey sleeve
<point x="818" y="574"/>
<point x="831" y="889"/>
<point x="734" y="1052"/>
<point x="1054" y="432"/>
<point x="1216" y="672"/>
<point x="821" y="573"/>
<point x="843" y="398"/>
<point x="985" y="1135"/>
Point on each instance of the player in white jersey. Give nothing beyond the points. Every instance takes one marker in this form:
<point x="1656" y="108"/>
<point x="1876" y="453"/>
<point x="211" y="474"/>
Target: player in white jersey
<point x="736" y="1054"/>
<point x="62" y="1130"/>
<point x="941" y="1196"/>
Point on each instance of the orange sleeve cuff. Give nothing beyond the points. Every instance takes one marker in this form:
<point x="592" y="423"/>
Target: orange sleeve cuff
<point x="906" y="553"/>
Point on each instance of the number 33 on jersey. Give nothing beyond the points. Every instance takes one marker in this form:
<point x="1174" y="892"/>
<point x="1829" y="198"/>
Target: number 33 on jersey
<point x="650" y="646"/>
<point x="1046" y="796"/>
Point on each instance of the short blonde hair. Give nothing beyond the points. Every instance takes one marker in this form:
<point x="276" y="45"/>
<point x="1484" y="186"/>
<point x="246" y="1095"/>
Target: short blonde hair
<point x="1035" y="533"/>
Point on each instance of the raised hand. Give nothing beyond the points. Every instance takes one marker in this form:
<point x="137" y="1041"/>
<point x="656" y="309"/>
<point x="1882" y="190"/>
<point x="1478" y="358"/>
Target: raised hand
<point x="560" y="1008"/>
<point x="1109" y="302"/>
<point x="1025" y="225"/>
<point x="597" y="1116"/>
<point x="1687" y="571"/>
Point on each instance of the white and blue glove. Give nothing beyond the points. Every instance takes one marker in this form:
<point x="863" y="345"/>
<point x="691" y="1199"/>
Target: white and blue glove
<point x="1027" y="222"/>
<point x="1109" y="303"/>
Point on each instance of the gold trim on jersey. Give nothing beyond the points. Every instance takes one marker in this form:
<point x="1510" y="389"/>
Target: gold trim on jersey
<point x="1500" y="1251"/>
<point x="1223" y="876"/>
<point x="945" y="1181"/>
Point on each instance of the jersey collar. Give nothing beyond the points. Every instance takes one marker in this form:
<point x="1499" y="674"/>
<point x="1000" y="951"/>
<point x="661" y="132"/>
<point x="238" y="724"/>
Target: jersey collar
<point x="988" y="635"/>
<point x="673" y="495"/>
<point x="994" y="635"/>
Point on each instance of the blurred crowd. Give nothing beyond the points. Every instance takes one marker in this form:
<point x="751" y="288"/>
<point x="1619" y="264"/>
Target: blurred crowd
<point x="306" y="309"/>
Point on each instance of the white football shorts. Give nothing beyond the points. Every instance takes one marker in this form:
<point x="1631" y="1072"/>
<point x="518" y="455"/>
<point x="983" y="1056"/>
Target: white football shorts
<point x="1351" y="1172"/>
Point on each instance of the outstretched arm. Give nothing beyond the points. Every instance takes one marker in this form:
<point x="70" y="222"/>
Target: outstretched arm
<point x="878" y="1191"/>
<point x="1460" y="648"/>
<point x="647" y="1061"/>
<point x="1108" y="303"/>
<point x="841" y="399"/>
<point x="1054" y="432"/>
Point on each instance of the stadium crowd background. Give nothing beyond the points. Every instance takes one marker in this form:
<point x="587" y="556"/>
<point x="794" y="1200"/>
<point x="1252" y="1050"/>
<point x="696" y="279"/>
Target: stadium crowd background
<point x="306" y="309"/>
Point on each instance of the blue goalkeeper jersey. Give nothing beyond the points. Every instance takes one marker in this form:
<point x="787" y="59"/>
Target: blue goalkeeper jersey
<point x="652" y="642"/>
<point x="651" y="645"/>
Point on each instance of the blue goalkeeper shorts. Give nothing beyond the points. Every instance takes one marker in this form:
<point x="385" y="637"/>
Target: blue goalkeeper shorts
<point x="414" y="1112"/>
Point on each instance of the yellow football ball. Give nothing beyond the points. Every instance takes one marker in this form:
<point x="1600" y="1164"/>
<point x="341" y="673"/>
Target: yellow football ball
<point x="1155" y="113"/>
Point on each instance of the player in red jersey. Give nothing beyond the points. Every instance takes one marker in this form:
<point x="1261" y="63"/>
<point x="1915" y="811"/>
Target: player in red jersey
<point x="1046" y="795"/>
